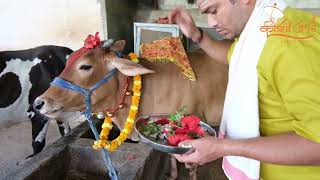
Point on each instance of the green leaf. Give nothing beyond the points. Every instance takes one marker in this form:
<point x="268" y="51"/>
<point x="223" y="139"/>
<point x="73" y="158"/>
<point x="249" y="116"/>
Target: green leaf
<point x="182" y="111"/>
<point x="178" y="114"/>
<point x="146" y="132"/>
<point x="151" y="129"/>
<point x="194" y="135"/>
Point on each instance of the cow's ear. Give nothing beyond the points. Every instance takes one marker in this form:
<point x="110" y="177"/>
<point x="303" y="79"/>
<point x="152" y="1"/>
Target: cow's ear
<point x="129" y="68"/>
<point x="118" y="45"/>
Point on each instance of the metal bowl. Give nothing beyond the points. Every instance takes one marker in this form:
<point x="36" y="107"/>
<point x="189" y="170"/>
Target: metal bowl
<point x="161" y="144"/>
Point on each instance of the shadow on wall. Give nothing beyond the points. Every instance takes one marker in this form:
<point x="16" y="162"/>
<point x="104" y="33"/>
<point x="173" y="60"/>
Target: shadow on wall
<point x="31" y="23"/>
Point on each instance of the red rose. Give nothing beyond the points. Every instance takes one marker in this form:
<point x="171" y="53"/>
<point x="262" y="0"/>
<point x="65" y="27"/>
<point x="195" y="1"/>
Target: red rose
<point x="181" y="130"/>
<point x="174" y="140"/>
<point x="92" y="41"/>
<point x="162" y="121"/>
<point x="190" y="122"/>
<point x="199" y="130"/>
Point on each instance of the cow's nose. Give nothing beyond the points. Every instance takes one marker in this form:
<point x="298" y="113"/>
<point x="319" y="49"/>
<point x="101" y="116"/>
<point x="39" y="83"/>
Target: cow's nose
<point x="38" y="104"/>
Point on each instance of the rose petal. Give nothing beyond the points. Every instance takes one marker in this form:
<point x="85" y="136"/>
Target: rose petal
<point x="174" y="140"/>
<point x="131" y="157"/>
<point x="190" y="122"/>
<point x="165" y="131"/>
<point x="181" y="130"/>
<point x="199" y="130"/>
<point x="163" y="121"/>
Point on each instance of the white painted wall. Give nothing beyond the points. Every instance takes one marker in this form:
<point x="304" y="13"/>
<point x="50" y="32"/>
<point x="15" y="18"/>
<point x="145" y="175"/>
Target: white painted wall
<point x="304" y="3"/>
<point x="30" y="23"/>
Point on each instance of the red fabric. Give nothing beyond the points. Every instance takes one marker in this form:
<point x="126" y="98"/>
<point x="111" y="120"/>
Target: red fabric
<point x="90" y="43"/>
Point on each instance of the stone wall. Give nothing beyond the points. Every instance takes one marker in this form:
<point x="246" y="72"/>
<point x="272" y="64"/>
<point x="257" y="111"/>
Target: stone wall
<point x="120" y="20"/>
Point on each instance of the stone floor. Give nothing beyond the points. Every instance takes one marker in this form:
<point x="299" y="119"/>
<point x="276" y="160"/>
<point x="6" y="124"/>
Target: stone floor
<point x="15" y="144"/>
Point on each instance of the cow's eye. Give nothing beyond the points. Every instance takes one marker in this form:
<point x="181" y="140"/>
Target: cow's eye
<point x="85" y="67"/>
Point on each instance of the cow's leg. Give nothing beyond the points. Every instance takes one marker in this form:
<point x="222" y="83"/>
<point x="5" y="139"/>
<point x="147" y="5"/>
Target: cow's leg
<point x="64" y="127"/>
<point x="40" y="124"/>
<point x="173" y="169"/>
<point x="192" y="168"/>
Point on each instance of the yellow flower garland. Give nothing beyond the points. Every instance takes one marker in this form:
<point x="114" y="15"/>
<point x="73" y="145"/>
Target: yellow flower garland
<point x="128" y="127"/>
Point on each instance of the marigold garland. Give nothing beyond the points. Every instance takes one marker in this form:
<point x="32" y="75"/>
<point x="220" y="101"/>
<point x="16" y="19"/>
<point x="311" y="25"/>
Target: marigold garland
<point x="128" y="127"/>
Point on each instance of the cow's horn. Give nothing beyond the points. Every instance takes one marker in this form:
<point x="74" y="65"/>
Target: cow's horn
<point x="107" y="43"/>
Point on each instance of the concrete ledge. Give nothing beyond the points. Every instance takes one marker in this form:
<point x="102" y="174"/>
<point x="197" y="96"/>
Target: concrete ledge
<point x="72" y="157"/>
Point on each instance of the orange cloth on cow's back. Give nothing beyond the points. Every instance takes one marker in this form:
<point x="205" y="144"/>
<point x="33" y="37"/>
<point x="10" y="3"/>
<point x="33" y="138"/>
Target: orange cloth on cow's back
<point x="169" y="49"/>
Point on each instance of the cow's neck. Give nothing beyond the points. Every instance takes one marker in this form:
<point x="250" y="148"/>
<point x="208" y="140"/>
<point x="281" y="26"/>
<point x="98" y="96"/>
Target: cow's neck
<point x="110" y="96"/>
<point x="110" y="102"/>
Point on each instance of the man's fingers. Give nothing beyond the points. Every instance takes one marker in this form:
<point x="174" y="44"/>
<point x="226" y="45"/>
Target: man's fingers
<point x="182" y="158"/>
<point x="173" y="15"/>
<point x="186" y="143"/>
<point x="191" y="158"/>
<point x="203" y="5"/>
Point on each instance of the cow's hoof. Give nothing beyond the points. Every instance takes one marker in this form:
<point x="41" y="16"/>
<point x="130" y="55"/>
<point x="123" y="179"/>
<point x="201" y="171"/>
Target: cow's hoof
<point x="28" y="158"/>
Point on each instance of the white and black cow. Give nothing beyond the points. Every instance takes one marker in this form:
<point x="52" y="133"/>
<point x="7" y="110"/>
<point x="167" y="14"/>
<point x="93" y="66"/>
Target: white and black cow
<point x="24" y="75"/>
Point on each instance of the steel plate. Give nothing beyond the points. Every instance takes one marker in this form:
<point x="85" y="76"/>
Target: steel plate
<point x="161" y="144"/>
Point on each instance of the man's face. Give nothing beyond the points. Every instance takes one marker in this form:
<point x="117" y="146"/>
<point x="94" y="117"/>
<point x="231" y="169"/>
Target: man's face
<point x="226" y="18"/>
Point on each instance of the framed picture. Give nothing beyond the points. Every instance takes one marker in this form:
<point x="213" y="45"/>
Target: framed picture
<point x="147" y="32"/>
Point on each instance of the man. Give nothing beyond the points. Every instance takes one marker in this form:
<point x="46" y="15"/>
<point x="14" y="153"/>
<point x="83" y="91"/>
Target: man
<point x="288" y="70"/>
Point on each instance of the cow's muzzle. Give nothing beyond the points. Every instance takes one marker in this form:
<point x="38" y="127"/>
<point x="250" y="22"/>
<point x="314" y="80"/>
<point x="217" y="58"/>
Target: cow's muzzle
<point x="43" y="106"/>
<point x="38" y="104"/>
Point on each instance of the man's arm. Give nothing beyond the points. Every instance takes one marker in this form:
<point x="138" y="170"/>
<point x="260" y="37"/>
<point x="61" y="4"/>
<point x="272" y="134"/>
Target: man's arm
<point x="285" y="149"/>
<point x="217" y="50"/>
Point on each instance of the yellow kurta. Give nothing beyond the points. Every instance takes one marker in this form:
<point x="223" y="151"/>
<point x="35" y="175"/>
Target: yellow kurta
<point x="289" y="89"/>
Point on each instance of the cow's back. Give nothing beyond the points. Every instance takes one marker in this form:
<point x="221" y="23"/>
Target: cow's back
<point x="167" y="90"/>
<point x="24" y="75"/>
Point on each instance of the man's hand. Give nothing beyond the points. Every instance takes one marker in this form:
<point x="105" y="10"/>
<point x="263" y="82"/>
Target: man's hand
<point x="184" y="19"/>
<point x="206" y="149"/>
<point x="218" y="50"/>
<point x="290" y="148"/>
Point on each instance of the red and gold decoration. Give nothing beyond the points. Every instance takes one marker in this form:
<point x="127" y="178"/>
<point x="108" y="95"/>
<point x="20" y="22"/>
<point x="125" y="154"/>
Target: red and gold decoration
<point x="163" y="20"/>
<point x="169" y="49"/>
<point x="128" y="127"/>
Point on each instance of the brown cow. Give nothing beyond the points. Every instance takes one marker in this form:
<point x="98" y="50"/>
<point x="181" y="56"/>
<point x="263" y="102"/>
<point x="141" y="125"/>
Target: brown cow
<point x="164" y="91"/>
